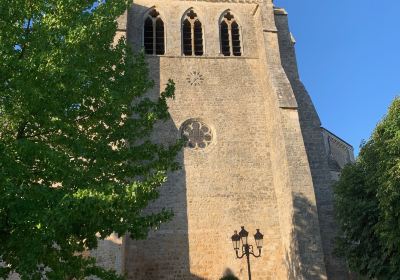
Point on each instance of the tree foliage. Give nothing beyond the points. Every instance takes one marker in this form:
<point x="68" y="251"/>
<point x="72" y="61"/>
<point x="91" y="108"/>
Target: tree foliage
<point x="76" y="156"/>
<point x="368" y="203"/>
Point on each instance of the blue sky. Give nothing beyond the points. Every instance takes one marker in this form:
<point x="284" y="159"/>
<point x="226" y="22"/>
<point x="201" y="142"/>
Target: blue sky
<point x="349" y="59"/>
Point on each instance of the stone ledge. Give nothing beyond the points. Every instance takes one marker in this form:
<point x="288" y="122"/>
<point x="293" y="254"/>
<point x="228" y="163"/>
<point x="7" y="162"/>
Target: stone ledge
<point x="201" y="57"/>
<point x="280" y="11"/>
<point x="228" y="1"/>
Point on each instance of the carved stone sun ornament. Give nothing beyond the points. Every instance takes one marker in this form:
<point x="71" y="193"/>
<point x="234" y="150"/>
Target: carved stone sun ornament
<point x="195" y="78"/>
<point x="196" y="134"/>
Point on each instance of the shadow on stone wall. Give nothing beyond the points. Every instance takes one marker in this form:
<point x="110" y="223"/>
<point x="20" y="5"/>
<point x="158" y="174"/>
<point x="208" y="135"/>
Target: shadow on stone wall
<point x="165" y="253"/>
<point x="229" y="275"/>
<point x="109" y="253"/>
<point x="314" y="143"/>
<point x="305" y="243"/>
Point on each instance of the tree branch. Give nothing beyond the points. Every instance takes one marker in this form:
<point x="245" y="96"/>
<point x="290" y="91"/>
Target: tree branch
<point x="27" y="31"/>
<point x="21" y="130"/>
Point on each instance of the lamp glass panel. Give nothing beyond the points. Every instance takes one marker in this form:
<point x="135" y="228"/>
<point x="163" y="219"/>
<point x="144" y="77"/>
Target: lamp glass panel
<point x="259" y="243"/>
<point x="243" y="235"/>
<point x="236" y="244"/>
<point x="258" y="237"/>
<point x="244" y="240"/>
<point x="235" y="241"/>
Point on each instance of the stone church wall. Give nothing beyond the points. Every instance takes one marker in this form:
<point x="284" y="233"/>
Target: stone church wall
<point x="229" y="183"/>
<point x="265" y="166"/>
<point x="316" y="152"/>
<point x="255" y="172"/>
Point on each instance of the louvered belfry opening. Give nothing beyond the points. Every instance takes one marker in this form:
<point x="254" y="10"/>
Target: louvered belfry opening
<point x="230" y="36"/>
<point x="198" y="38"/>
<point x="192" y="35"/>
<point x="160" y="45"/>
<point x="148" y="36"/>
<point x="187" y="37"/>
<point x="225" y="48"/>
<point x="236" y="48"/>
<point x="153" y="34"/>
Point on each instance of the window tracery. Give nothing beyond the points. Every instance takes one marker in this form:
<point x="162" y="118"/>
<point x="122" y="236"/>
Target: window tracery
<point x="197" y="134"/>
<point x="154" y="34"/>
<point x="192" y="35"/>
<point x="230" y="36"/>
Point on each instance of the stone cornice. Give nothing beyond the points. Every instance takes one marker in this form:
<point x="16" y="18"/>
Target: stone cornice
<point x="228" y="1"/>
<point x="280" y="11"/>
<point x="337" y="140"/>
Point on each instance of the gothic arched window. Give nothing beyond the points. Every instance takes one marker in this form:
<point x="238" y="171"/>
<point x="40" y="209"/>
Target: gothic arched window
<point x="230" y="36"/>
<point x="225" y="46"/>
<point x="192" y="35"/>
<point x="153" y="34"/>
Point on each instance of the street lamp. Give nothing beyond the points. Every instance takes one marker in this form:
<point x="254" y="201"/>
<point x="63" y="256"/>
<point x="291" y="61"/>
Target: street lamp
<point x="247" y="249"/>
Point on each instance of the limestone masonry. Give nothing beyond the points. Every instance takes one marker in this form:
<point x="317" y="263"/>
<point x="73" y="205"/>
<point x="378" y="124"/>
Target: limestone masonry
<point x="256" y="153"/>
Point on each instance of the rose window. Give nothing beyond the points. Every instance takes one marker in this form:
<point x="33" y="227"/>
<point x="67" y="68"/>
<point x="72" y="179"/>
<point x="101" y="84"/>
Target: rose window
<point x="197" y="134"/>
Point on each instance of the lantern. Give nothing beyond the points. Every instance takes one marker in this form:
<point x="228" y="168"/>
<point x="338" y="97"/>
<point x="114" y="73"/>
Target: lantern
<point x="236" y="240"/>
<point x="258" y="237"/>
<point x="243" y="235"/>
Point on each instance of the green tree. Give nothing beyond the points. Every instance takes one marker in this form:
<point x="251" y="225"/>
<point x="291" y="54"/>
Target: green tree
<point x="368" y="203"/>
<point x="76" y="156"/>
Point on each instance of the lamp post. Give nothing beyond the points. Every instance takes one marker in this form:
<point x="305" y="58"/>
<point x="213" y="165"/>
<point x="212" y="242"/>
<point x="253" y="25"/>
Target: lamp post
<point x="247" y="250"/>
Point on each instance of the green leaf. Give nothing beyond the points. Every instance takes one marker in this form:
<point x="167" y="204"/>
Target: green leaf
<point x="68" y="143"/>
<point x="367" y="203"/>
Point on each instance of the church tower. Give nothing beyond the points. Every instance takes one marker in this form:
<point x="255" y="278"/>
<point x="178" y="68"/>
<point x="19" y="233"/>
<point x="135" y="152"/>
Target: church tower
<point x="255" y="154"/>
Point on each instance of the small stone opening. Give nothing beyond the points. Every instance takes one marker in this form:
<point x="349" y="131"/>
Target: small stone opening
<point x="160" y="47"/>
<point x="236" y="48"/>
<point x="225" y="49"/>
<point x="148" y="36"/>
<point x="198" y="38"/>
<point x="187" y="37"/>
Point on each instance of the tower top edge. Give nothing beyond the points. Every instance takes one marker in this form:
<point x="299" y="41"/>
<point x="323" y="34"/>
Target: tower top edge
<point x="337" y="138"/>
<point x="228" y="1"/>
<point x="280" y="11"/>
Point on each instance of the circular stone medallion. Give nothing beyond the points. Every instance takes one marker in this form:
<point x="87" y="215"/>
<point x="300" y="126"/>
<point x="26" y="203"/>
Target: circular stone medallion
<point x="196" y="133"/>
<point x="195" y="78"/>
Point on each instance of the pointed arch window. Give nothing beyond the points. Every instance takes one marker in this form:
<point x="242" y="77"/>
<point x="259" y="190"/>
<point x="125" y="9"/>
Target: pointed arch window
<point x="153" y="34"/>
<point x="192" y="35"/>
<point x="230" y="36"/>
